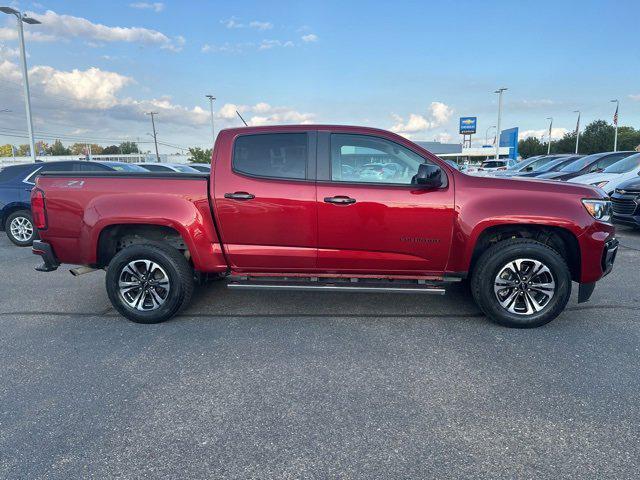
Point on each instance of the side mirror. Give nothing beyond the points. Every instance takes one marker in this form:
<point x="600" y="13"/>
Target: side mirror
<point x="429" y="176"/>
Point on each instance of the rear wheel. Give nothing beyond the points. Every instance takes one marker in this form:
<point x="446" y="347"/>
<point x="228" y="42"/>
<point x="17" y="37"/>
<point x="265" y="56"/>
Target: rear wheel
<point x="521" y="283"/>
<point x="149" y="283"/>
<point x="20" y="229"/>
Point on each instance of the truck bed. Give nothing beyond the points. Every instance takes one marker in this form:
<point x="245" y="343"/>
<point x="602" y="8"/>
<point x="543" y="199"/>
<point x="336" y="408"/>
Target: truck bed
<point x="82" y="207"/>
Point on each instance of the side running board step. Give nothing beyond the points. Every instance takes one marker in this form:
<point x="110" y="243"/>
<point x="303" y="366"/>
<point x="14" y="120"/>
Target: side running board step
<point x="331" y="285"/>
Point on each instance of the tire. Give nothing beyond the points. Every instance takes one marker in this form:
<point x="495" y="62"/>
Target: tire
<point x="170" y="284"/>
<point x="20" y="229"/>
<point x="502" y="290"/>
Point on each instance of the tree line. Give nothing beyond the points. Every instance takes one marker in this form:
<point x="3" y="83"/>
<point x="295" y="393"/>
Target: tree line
<point x="597" y="137"/>
<point x="58" y="148"/>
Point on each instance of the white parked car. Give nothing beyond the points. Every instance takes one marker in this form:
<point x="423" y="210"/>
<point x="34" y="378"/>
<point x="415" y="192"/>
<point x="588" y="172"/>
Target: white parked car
<point x="612" y="176"/>
<point x="488" y="167"/>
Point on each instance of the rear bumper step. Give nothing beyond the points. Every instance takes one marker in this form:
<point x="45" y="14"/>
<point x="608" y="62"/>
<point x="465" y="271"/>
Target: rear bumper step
<point x="333" y="285"/>
<point x="50" y="262"/>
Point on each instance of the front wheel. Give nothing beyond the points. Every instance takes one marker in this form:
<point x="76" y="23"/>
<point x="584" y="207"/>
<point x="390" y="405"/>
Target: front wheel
<point x="19" y="228"/>
<point x="521" y="283"/>
<point x="149" y="283"/>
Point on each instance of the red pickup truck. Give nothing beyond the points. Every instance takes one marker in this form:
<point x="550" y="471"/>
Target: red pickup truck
<point x="331" y="208"/>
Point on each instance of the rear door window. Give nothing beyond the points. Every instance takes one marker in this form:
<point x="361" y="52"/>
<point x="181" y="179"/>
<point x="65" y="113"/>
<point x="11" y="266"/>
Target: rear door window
<point x="273" y="155"/>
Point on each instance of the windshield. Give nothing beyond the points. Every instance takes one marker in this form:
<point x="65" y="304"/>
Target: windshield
<point x="493" y="164"/>
<point x="125" y="167"/>
<point x="581" y="163"/>
<point x="184" y="169"/>
<point x="556" y="164"/>
<point x="523" y="163"/>
<point x="630" y="163"/>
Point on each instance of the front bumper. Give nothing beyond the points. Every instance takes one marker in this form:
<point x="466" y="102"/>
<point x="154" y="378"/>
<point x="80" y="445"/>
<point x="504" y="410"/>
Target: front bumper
<point x="50" y="262"/>
<point x="609" y="255"/>
<point x="626" y="207"/>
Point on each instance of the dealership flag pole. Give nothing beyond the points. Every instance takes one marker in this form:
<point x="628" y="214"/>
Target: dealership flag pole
<point x="550" y="127"/>
<point x="499" y="92"/>
<point x="615" y="123"/>
<point x="577" y="130"/>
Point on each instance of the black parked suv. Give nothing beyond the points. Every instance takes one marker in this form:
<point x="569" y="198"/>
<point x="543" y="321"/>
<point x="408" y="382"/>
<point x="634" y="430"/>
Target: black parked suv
<point x="626" y="202"/>
<point x="596" y="162"/>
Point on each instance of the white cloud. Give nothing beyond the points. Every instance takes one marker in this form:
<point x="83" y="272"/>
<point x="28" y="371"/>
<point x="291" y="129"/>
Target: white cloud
<point x="8" y="52"/>
<point x="556" y="133"/>
<point x="309" y="38"/>
<point x="264" y="114"/>
<point x="226" y="47"/>
<point x="64" y="27"/>
<point x="234" y="22"/>
<point x="269" y="44"/>
<point x="543" y="102"/>
<point x="439" y="114"/>
<point x="237" y="48"/>
<point x="635" y="97"/>
<point x="93" y="88"/>
<point x="10" y="71"/>
<point x="155" y="6"/>
<point x="261" y="25"/>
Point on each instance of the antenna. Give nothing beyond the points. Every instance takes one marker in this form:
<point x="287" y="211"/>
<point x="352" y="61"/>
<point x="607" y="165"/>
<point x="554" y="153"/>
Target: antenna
<point x="245" y="123"/>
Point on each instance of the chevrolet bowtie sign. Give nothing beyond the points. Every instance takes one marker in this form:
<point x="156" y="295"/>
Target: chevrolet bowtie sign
<point x="468" y="125"/>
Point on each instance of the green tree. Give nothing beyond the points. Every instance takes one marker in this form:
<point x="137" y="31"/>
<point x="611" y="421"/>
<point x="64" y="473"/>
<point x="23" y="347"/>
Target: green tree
<point x="129" y="147"/>
<point x="595" y="138"/>
<point x="79" y="149"/>
<point x="530" y="147"/>
<point x="6" y="150"/>
<point x="628" y="138"/>
<point x="200" y="156"/>
<point x="111" y="150"/>
<point x="23" y="150"/>
<point x="58" y="149"/>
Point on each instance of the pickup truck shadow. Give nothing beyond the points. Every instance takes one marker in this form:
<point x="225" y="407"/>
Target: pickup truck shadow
<point x="216" y="300"/>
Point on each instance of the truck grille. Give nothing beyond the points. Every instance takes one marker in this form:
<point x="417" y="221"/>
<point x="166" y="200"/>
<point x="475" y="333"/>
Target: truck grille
<point x="623" y="206"/>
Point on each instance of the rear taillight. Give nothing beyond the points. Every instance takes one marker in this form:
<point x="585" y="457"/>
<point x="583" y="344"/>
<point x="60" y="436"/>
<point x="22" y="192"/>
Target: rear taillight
<point x="38" y="210"/>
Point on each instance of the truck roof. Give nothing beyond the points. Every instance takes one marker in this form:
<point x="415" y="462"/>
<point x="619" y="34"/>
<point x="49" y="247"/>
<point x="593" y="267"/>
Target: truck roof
<point x="338" y="128"/>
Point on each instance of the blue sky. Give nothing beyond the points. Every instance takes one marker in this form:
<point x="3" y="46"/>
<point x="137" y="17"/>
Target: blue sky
<point x="413" y="67"/>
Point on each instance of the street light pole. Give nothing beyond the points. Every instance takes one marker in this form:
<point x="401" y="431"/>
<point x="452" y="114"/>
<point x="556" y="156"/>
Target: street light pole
<point x="615" y="122"/>
<point x="550" y="127"/>
<point x="23" y="63"/>
<point x="499" y="92"/>
<point x="577" y="130"/>
<point x="155" y="137"/>
<point x="213" y="131"/>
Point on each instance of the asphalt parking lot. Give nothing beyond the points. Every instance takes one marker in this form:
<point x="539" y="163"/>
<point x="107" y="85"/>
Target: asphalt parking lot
<point x="314" y="385"/>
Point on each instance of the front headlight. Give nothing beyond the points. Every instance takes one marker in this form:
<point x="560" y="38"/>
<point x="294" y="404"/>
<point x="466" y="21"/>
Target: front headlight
<point x="600" y="184"/>
<point x="598" y="209"/>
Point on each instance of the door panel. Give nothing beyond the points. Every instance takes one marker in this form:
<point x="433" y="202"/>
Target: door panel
<point x="387" y="230"/>
<point x="371" y="218"/>
<point x="268" y="224"/>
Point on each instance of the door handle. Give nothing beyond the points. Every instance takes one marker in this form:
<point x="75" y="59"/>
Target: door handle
<point x="239" y="196"/>
<point x="340" y="200"/>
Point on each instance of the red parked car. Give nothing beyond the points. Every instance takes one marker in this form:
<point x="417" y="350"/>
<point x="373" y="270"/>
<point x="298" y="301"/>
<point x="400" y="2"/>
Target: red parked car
<point x="330" y="208"/>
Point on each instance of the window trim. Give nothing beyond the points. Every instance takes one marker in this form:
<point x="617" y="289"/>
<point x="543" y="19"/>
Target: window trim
<point x="310" y="163"/>
<point x="325" y="167"/>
